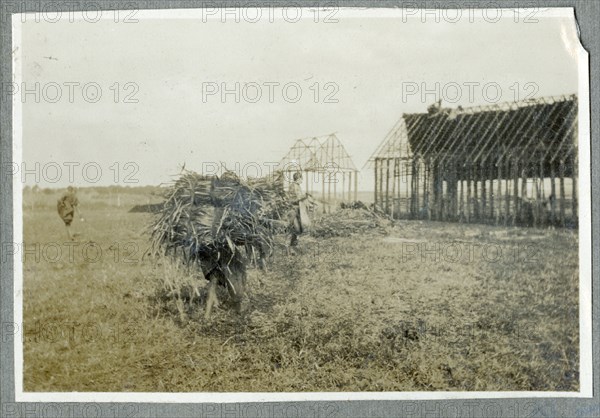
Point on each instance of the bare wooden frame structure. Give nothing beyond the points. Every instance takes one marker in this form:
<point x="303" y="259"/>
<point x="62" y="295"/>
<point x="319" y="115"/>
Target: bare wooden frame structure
<point x="504" y="164"/>
<point x="327" y="168"/>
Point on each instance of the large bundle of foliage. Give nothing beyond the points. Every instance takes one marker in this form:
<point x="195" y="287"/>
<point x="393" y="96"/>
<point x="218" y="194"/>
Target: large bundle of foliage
<point x="220" y="222"/>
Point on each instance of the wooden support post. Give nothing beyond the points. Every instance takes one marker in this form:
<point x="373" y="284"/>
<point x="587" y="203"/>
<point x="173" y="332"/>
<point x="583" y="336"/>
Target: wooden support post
<point x="574" y="195"/>
<point x="476" y="204"/>
<point x="507" y="168"/>
<point x="516" y="209"/>
<point x="394" y="177"/>
<point x="398" y="184"/>
<point x="376" y="185"/>
<point x="356" y="185"/>
<point x="422" y="189"/>
<point x="455" y="198"/>
<point x="435" y="205"/>
<point x="525" y="202"/>
<point x="329" y="180"/>
<point x="468" y="194"/>
<point x="436" y="184"/>
<point x="335" y="181"/>
<point x="462" y="193"/>
<point x="452" y="189"/>
<point x="425" y="204"/>
<point x="381" y="183"/>
<point x="378" y="181"/>
<point x="418" y="180"/>
<point x="450" y="196"/>
<point x="323" y="179"/>
<point x="387" y="185"/>
<point x="433" y="186"/>
<point x="443" y="196"/>
<point x="562" y="192"/>
<point x="434" y="190"/>
<point x="439" y="190"/>
<point x="524" y="177"/>
<point x="410" y="188"/>
<point x="483" y="193"/>
<point x="425" y="178"/>
<point x="499" y="193"/>
<point x="540" y="210"/>
<point x="428" y="186"/>
<point x="491" y="175"/>
<point x="552" y="197"/>
<point x="415" y="191"/>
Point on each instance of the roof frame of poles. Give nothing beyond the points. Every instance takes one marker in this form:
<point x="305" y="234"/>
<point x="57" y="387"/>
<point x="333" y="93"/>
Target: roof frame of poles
<point x="505" y="164"/>
<point x="327" y="168"/>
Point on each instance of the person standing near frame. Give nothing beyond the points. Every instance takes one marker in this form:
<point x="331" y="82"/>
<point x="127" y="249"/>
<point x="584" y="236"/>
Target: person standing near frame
<point x="299" y="219"/>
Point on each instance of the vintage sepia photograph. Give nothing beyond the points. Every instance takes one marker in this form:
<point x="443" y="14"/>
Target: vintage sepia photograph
<point x="300" y="203"/>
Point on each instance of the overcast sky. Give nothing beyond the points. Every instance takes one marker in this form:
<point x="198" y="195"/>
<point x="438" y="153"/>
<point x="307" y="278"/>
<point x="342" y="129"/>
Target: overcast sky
<point x="368" y="62"/>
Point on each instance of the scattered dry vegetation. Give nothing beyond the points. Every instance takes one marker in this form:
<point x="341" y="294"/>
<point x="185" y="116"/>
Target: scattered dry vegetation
<point x="376" y="310"/>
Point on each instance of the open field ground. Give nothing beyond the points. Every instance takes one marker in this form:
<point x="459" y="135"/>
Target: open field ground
<point x="421" y="306"/>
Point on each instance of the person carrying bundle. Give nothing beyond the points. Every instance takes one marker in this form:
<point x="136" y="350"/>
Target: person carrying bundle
<point x="218" y="225"/>
<point x="66" y="206"/>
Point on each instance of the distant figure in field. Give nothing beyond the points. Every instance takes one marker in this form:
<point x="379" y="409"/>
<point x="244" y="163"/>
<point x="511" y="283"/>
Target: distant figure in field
<point x="67" y="205"/>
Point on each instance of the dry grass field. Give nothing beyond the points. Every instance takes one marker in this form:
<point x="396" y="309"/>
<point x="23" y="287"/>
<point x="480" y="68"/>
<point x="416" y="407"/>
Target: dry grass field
<point x="418" y="307"/>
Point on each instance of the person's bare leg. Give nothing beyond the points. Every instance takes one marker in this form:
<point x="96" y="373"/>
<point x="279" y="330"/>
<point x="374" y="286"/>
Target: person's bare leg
<point x="237" y="288"/>
<point x="69" y="232"/>
<point x="212" y="296"/>
<point x="262" y="265"/>
<point x="293" y="247"/>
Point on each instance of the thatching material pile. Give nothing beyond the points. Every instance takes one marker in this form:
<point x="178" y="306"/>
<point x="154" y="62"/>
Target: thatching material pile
<point x="147" y="208"/>
<point x="346" y="222"/>
<point x="357" y="204"/>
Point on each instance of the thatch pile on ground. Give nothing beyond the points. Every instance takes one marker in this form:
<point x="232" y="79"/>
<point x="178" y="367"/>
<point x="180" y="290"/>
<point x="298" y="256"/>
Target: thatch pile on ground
<point x="346" y="222"/>
<point x="353" y="205"/>
<point x="147" y="208"/>
<point x="220" y="225"/>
